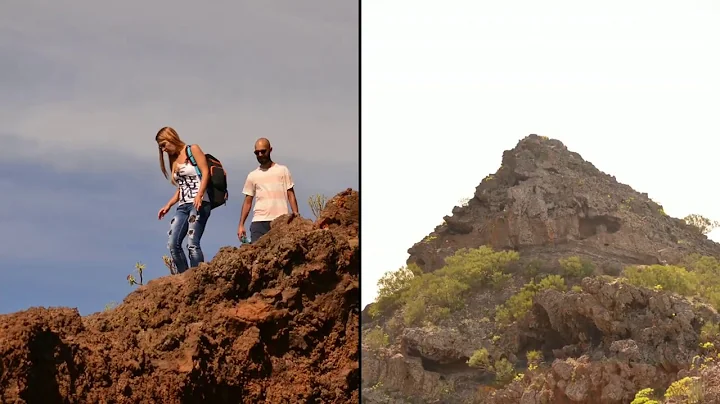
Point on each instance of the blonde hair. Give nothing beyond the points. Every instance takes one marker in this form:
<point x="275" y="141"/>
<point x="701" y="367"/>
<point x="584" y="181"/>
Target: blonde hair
<point x="169" y="135"/>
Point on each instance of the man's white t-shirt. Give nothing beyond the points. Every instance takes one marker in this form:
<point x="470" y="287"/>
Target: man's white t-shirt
<point x="269" y="187"/>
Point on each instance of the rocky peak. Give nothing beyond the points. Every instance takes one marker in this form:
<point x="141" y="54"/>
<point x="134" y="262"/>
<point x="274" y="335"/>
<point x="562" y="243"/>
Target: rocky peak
<point x="549" y="201"/>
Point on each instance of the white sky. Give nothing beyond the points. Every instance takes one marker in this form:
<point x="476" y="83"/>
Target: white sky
<point x="447" y="86"/>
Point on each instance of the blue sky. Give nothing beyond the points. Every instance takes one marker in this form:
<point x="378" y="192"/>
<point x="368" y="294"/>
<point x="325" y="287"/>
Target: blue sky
<point x="448" y="86"/>
<point x="86" y="87"/>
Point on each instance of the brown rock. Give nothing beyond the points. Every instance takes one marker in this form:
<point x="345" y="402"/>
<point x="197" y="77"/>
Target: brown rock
<point x="546" y="195"/>
<point x="275" y="321"/>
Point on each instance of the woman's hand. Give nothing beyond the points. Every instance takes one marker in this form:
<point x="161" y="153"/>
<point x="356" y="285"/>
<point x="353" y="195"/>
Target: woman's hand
<point x="198" y="202"/>
<point x="163" y="211"/>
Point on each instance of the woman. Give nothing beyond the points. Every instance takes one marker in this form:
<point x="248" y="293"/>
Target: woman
<point x="191" y="195"/>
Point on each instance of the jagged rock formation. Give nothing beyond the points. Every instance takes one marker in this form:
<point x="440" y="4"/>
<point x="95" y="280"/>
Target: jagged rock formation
<point x="609" y="341"/>
<point x="601" y="342"/>
<point x="544" y="196"/>
<point x="276" y="321"/>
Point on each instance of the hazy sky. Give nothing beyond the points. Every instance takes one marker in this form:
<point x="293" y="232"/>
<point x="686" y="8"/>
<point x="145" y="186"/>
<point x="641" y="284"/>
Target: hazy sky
<point x="448" y="86"/>
<point x="87" y="84"/>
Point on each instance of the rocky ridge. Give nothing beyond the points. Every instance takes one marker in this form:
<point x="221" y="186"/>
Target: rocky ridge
<point x="545" y="195"/>
<point x="602" y="341"/>
<point x="276" y="321"/>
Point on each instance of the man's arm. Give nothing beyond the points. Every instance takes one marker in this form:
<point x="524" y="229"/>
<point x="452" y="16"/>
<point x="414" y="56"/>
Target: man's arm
<point x="291" y="191"/>
<point x="249" y="191"/>
<point x="293" y="200"/>
<point x="247" y="203"/>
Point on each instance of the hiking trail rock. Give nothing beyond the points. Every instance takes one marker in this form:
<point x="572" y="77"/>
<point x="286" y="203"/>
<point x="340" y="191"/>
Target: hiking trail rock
<point x="276" y="321"/>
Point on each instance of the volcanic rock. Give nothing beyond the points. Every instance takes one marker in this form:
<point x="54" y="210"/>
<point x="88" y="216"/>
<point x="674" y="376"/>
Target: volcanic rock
<point x="275" y="321"/>
<point x="601" y="341"/>
<point x="545" y="196"/>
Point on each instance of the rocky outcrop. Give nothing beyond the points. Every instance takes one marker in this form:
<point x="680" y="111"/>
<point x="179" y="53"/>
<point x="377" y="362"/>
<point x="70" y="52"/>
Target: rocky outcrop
<point x="545" y="195"/>
<point x="602" y="340"/>
<point x="617" y="320"/>
<point x="607" y="342"/>
<point x="276" y="321"/>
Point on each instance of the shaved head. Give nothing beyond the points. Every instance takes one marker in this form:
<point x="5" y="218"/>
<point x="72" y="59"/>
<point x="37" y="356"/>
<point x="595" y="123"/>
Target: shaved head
<point x="262" y="143"/>
<point x="262" y="151"/>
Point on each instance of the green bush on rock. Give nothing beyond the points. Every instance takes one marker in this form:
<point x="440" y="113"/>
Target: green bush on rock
<point x="520" y="303"/>
<point x="432" y="296"/>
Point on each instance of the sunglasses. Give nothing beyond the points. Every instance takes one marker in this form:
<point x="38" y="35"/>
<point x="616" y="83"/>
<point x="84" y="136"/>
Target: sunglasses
<point x="259" y="152"/>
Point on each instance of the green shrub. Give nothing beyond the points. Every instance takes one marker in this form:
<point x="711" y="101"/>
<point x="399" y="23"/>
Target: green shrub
<point x="669" y="277"/>
<point x="437" y="290"/>
<point x="417" y="312"/>
<point x="139" y="267"/>
<point x="534" y="357"/>
<point x="701" y="278"/>
<point x="709" y="332"/>
<point x="428" y="297"/>
<point x="644" y="396"/>
<point x="701" y="223"/>
<point x="479" y="267"/>
<point x="504" y="371"/>
<point x="520" y="303"/>
<point x="317" y="204"/>
<point x="688" y="389"/>
<point x="480" y="359"/>
<point x="390" y="288"/>
<point x="576" y="267"/>
<point x="376" y="338"/>
<point x="533" y="268"/>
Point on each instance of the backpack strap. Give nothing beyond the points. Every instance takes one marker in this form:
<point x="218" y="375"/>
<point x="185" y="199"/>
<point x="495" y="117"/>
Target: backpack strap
<point x="192" y="160"/>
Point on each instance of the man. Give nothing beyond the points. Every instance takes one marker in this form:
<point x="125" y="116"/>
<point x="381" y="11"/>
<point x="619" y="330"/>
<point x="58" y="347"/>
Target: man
<point x="272" y="187"/>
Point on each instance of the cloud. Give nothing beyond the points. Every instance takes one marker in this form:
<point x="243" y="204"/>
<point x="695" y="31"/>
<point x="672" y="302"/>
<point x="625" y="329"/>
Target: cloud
<point x="85" y="77"/>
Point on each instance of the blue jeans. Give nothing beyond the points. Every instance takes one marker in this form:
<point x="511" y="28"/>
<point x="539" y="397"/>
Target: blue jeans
<point x="258" y="229"/>
<point x="187" y="223"/>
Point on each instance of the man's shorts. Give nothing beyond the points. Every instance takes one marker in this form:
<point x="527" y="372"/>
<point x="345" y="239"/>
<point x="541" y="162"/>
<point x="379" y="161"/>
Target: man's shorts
<point x="258" y="229"/>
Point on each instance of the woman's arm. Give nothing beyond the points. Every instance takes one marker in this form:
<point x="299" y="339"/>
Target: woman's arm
<point x="203" y="166"/>
<point x="175" y="198"/>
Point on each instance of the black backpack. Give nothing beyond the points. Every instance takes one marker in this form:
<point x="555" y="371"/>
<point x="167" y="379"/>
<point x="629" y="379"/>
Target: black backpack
<point x="217" y="189"/>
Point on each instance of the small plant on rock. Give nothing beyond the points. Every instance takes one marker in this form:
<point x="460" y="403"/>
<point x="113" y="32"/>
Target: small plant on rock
<point x="317" y="203"/>
<point x="687" y="389"/>
<point x="170" y="265"/>
<point x="668" y="277"/>
<point x="644" y="396"/>
<point x="576" y="267"/>
<point x="534" y="359"/>
<point x="701" y="223"/>
<point x="391" y="286"/>
<point x="709" y="332"/>
<point x="139" y="267"/>
<point x="504" y="370"/>
<point x="479" y="267"/>
<point x="480" y="359"/>
<point x="376" y="338"/>
<point x="428" y="297"/>
<point x="518" y="305"/>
